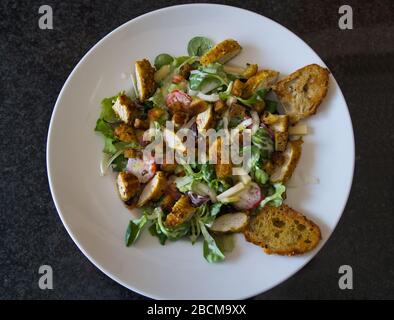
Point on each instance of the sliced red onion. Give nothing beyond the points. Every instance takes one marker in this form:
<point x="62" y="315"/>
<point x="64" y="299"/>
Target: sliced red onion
<point x="196" y="199"/>
<point x="269" y="131"/>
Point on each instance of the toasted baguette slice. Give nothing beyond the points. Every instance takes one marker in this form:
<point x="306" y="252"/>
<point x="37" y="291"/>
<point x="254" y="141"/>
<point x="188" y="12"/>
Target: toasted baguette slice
<point x="282" y="231"/>
<point x="302" y="91"/>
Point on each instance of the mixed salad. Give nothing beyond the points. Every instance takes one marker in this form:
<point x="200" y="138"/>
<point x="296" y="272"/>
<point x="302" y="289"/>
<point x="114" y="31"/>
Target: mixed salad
<point x="198" y="92"/>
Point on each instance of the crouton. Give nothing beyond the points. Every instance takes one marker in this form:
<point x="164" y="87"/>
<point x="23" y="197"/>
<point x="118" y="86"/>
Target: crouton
<point x="285" y="162"/>
<point x="282" y="231"/>
<point x="141" y="124"/>
<point x="145" y="75"/>
<point x="128" y="185"/>
<point x="268" y="166"/>
<point x="259" y="106"/>
<point x="263" y="79"/>
<point x="302" y="91"/>
<point x="222" y="52"/>
<point x="237" y="111"/>
<point x="124" y="109"/>
<point x="185" y="70"/>
<point x="237" y="88"/>
<point x="153" y="189"/>
<point x="179" y="118"/>
<point x="197" y="105"/>
<point x="223" y="170"/>
<point x="181" y="212"/>
<point x="280" y="125"/>
<point x="157" y="114"/>
<point x="223" y="166"/>
<point x="168" y="167"/>
<point x="204" y="120"/>
<point x="125" y="133"/>
<point x="220" y="106"/>
<point x="131" y="153"/>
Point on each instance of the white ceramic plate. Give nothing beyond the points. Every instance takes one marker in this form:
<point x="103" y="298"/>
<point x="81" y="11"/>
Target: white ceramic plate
<point x="89" y="206"/>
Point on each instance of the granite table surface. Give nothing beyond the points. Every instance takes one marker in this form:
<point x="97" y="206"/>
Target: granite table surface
<point x="34" y="65"/>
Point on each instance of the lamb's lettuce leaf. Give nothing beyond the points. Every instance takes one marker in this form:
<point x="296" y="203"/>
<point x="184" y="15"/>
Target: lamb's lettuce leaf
<point x="276" y="198"/>
<point x="197" y="46"/>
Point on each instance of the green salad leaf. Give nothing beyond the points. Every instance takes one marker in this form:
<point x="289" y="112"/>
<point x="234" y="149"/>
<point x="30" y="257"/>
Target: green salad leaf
<point x="259" y="175"/>
<point x="271" y="106"/>
<point x="262" y="140"/>
<point x="276" y="198"/>
<point x="219" y="185"/>
<point x="211" y="251"/>
<point x="174" y="233"/>
<point x="207" y="213"/>
<point x="197" y="46"/>
<point x="224" y="241"/>
<point x="163" y="59"/>
<point x="119" y="164"/>
<point x="104" y="127"/>
<point x="185" y="183"/>
<point x="109" y="146"/>
<point x="256" y="97"/>
<point x="133" y="230"/>
<point x="208" y="78"/>
<point x="156" y="232"/>
<point x="179" y="61"/>
<point x="158" y="99"/>
<point x="107" y="113"/>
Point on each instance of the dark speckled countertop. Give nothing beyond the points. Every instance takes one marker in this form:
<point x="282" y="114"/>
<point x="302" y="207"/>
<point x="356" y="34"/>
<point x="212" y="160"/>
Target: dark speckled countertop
<point x="34" y="65"/>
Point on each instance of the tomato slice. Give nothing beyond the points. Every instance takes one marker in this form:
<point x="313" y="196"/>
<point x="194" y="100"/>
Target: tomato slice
<point x="178" y="101"/>
<point x="177" y="78"/>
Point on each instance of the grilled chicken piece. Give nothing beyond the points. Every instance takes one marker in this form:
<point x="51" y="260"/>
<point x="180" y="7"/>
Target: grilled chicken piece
<point x="222" y="52"/>
<point x="263" y="79"/>
<point x="145" y="75"/>
<point x="128" y="185"/>
<point x="125" y="133"/>
<point x="181" y="212"/>
<point x="285" y="162"/>
<point x="153" y="189"/>
<point x="124" y="109"/>
<point x="250" y="71"/>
